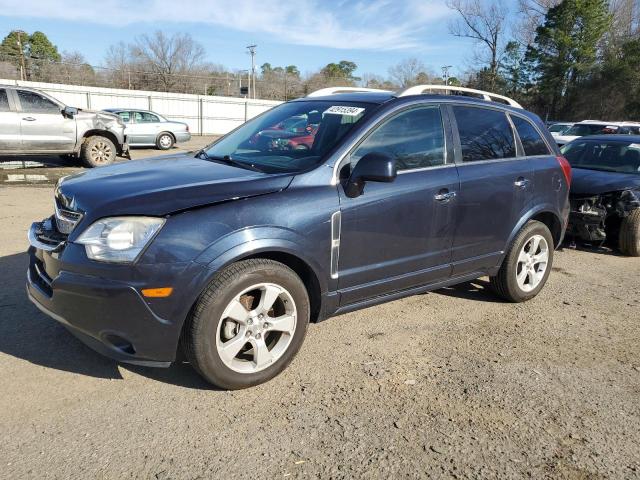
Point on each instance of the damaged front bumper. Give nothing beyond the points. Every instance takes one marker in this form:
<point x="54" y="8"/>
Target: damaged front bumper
<point x="597" y="218"/>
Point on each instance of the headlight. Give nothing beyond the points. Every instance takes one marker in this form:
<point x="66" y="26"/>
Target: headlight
<point x="119" y="239"/>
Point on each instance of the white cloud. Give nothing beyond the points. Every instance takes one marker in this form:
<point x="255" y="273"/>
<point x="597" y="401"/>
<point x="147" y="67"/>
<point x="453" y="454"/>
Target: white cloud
<point x="343" y="24"/>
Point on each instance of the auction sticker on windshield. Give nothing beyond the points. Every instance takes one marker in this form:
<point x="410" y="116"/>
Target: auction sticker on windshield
<point x="344" y="110"/>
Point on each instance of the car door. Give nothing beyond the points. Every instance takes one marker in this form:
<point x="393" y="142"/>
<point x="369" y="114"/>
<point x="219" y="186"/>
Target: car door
<point x="398" y="235"/>
<point x="10" y="141"/>
<point x="495" y="187"/>
<point x="43" y="128"/>
<point x="144" y="129"/>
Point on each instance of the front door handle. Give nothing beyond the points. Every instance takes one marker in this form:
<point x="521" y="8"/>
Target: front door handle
<point x="29" y="119"/>
<point x="521" y="182"/>
<point x="444" y="195"/>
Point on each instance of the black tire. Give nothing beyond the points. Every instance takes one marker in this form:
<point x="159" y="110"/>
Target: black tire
<point x="505" y="283"/>
<point x="164" y="141"/>
<point x="97" y="151"/>
<point x="201" y="332"/>
<point x="629" y="237"/>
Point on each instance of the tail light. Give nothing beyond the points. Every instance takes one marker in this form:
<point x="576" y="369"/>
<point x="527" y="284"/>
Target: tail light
<point x="566" y="168"/>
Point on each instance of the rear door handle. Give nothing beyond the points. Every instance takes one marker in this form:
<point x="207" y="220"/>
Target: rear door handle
<point x="444" y="195"/>
<point x="29" y="119"/>
<point x="521" y="182"/>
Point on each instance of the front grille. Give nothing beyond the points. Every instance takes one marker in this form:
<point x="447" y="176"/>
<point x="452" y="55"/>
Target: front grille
<point x="66" y="220"/>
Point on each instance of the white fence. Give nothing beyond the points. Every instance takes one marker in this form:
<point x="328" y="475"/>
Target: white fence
<point x="205" y="114"/>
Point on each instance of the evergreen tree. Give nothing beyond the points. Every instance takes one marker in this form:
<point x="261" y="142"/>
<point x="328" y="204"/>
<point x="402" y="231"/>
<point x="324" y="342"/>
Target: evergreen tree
<point x="566" y="48"/>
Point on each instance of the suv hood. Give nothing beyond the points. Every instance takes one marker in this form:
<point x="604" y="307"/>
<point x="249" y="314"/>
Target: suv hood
<point x="160" y="186"/>
<point x="595" y="182"/>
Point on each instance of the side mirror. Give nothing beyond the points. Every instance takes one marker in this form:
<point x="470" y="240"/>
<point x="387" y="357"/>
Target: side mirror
<point x="373" y="167"/>
<point x="69" y="112"/>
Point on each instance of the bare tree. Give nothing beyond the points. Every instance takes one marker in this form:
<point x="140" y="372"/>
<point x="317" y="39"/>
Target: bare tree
<point x="409" y="72"/>
<point x="485" y="24"/>
<point x="170" y="59"/>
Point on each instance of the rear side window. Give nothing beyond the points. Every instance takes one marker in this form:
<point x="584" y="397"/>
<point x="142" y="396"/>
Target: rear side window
<point x="4" y="101"/>
<point x="531" y="140"/>
<point x="415" y="138"/>
<point x="484" y="134"/>
<point x="33" y="102"/>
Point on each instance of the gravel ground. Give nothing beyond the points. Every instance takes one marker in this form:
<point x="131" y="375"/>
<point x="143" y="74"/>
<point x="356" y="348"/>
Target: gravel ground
<point x="453" y="383"/>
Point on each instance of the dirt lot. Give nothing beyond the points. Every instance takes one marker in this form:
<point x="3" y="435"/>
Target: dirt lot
<point x="453" y="383"/>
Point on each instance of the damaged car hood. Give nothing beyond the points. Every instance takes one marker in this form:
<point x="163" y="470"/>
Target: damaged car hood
<point x="595" y="182"/>
<point x="160" y="186"/>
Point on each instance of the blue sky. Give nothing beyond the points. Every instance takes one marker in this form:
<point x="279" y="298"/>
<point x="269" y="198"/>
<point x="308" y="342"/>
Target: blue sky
<point x="375" y="34"/>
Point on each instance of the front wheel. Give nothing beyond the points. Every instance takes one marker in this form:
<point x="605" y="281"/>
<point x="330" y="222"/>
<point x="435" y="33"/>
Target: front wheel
<point x="526" y="267"/>
<point x="629" y="237"/>
<point x="248" y="324"/>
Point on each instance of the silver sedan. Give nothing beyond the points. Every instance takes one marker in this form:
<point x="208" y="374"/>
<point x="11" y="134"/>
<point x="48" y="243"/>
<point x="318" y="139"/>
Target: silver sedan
<point x="145" y="128"/>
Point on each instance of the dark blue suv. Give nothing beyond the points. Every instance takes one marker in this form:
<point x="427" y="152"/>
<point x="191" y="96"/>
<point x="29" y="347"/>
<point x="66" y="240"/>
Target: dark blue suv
<point x="228" y="254"/>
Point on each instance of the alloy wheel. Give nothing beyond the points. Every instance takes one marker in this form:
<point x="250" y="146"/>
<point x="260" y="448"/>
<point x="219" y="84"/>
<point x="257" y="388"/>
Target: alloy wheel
<point x="256" y="328"/>
<point x="532" y="263"/>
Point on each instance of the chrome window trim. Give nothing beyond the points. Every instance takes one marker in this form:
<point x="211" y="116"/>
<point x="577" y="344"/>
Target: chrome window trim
<point x="346" y="149"/>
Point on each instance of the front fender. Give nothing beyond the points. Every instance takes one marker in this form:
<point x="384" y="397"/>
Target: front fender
<point x="252" y="241"/>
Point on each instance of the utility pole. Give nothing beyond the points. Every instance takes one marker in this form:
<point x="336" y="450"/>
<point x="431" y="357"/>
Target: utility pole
<point x="252" y="52"/>
<point x="445" y="73"/>
<point x="23" y="68"/>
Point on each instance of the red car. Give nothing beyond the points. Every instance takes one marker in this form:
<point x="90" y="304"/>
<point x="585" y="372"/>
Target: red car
<point x="295" y="133"/>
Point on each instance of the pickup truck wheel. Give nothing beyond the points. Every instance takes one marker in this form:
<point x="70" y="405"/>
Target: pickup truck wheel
<point x="527" y="265"/>
<point x="164" y="141"/>
<point x="248" y="324"/>
<point x="629" y="237"/>
<point x="97" y="151"/>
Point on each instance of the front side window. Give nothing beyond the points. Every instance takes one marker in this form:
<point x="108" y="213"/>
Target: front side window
<point x="291" y="137"/>
<point x="414" y="138"/>
<point x="485" y="134"/>
<point x="4" y="101"/>
<point x="621" y="157"/>
<point x="531" y="140"/>
<point x="146" y="117"/>
<point x="33" y="102"/>
<point x="125" y="116"/>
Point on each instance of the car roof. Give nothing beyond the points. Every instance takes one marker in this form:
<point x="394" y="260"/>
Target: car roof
<point x="612" y="138"/>
<point x="379" y="98"/>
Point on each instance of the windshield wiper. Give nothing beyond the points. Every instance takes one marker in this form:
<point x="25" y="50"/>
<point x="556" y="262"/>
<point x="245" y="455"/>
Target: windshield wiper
<point x="227" y="160"/>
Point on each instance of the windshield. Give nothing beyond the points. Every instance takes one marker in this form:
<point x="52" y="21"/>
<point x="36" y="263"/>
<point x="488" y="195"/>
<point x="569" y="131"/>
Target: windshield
<point x="558" y="128"/>
<point x="291" y="137"/>
<point x="622" y="157"/>
<point x="580" y="130"/>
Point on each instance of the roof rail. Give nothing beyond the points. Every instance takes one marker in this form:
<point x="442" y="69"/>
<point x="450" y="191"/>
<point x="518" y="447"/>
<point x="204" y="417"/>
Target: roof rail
<point x="334" y="90"/>
<point x="422" y="89"/>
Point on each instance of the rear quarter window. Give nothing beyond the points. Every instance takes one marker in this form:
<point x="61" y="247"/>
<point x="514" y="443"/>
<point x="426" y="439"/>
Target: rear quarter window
<point x="531" y="140"/>
<point x="485" y="134"/>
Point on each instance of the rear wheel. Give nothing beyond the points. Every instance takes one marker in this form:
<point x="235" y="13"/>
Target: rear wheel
<point x="248" y="324"/>
<point x="527" y="265"/>
<point x="629" y="237"/>
<point x="164" y="141"/>
<point x="97" y="151"/>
